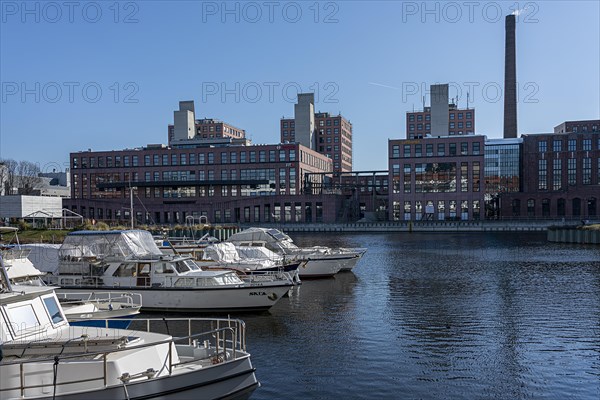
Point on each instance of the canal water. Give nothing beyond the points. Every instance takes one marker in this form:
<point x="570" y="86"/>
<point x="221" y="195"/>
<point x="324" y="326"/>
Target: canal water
<point x="437" y="316"/>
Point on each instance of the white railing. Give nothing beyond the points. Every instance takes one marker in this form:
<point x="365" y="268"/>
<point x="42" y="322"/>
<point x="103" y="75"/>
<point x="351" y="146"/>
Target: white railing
<point x="226" y="336"/>
<point x="124" y="299"/>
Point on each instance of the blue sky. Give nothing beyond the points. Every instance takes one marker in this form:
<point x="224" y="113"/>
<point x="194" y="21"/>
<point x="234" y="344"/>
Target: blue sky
<point x="108" y="75"/>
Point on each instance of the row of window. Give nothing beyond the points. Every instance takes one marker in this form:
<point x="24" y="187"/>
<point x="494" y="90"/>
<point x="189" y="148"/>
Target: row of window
<point x="437" y="178"/>
<point x="571" y="145"/>
<point x="416" y="150"/>
<point x="277" y="212"/>
<point x="451" y="125"/>
<point x="452" y="116"/>
<point x="547" y="209"/>
<point x="442" y="210"/>
<point x="232" y="157"/>
<point x="572" y="173"/>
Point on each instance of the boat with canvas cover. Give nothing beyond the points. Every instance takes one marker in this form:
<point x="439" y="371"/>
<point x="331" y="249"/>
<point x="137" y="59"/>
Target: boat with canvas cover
<point x="93" y="308"/>
<point x="321" y="261"/>
<point x="129" y="260"/>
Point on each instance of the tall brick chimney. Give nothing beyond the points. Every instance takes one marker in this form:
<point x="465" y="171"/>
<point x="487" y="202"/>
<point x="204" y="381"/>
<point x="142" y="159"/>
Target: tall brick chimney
<point x="510" y="79"/>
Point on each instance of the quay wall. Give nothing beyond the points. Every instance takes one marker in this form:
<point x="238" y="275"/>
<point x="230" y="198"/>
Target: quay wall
<point x="559" y="231"/>
<point x="573" y="235"/>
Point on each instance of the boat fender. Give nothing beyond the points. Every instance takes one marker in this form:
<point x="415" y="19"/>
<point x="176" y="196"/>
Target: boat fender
<point x="272" y="296"/>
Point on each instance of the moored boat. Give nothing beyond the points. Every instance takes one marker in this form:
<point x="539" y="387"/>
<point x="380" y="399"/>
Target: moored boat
<point x="93" y="308"/>
<point x="130" y="261"/>
<point x="320" y="261"/>
<point x="42" y="356"/>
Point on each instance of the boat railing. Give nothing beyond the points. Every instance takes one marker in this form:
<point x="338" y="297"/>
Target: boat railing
<point x="125" y="299"/>
<point x="224" y="339"/>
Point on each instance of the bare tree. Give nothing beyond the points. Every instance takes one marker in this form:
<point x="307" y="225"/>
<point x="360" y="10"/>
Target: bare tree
<point x="8" y="176"/>
<point x="28" y="177"/>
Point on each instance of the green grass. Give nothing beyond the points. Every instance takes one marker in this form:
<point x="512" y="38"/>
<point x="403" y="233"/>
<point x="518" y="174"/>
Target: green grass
<point x="38" y="236"/>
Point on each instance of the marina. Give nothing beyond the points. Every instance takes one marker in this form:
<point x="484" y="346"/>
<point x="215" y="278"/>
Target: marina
<point x="425" y="313"/>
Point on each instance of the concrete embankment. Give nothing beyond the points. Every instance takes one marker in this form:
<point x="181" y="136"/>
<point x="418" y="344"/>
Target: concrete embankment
<point x="574" y="235"/>
<point x="418" y="226"/>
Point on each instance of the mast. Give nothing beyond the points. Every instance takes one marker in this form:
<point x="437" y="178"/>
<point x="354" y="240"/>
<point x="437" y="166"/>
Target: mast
<point x="131" y="204"/>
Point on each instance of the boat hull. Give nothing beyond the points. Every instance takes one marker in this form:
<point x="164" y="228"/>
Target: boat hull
<point x="230" y="380"/>
<point x="250" y="298"/>
<point x="320" y="267"/>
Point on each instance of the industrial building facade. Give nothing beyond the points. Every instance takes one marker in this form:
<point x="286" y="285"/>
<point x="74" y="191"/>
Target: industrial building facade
<point x="560" y="177"/>
<point x="436" y="179"/>
<point x="225" y="183"/>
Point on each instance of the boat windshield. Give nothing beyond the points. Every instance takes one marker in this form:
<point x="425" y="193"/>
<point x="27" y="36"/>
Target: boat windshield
<point x="186" y="266"/>
<point x="276" y="234"/>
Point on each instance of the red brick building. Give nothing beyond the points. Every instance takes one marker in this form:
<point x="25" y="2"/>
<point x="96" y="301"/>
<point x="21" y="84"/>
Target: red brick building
<point x="461" y="122"/>
<point x="436" y="179"/>
<point x="560" y="176"/>
<point x="333" y="138"/>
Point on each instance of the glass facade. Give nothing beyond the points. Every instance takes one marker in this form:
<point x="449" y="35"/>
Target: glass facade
<point x="502" y="166"/>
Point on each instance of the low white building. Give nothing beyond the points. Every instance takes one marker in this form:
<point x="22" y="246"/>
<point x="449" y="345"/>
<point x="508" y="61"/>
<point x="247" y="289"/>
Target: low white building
<point x="21" y="206"/>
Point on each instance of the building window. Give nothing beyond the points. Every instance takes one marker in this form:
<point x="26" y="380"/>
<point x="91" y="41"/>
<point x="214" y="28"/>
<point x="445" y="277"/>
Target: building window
<point x="557" y="175"/>
<point x="586" y="177"/>
<point x="476" y="148"/>
<point x="407" y="207"/>
<point x="572" y="144"/>
<point x="407" y="150"/>
<point x="452" y="149"/>
<point x="587" y="144"/>
<point x="469" y="115"/>
<point x="464" y="177"/>
<point x="441" y="149"/>
<point x="418" y="150"/>
<point x="516" y="207"/>
<point x="464" y="148"/>
<point x="452" y="115"/>
<point x="395" y="151"/>
<point x="531" y="208"/>
<point x="407" y="178"/>
<point x="542" y="146"/>
<point x="429" y="150"/>
<point x="545" y="207"/>
<point x="542" y="174"/>
<point x="560" y="207"/>
<point x="572" y="171"/>
<point x="411" y="118"/>
<point x="557" y="145"/>
<point x="476" y="176"/>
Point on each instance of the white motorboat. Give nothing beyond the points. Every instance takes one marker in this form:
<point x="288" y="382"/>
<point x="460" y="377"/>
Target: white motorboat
<point x="249" y="260"/>
<point x="43" y="357"/>
<point x="130" y="261"/>
<point x="321" y="261"/>
<point x="79" y="308"/>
